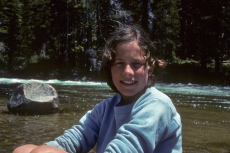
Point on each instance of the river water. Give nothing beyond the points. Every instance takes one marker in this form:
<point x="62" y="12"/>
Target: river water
<point x="204" y="109"/>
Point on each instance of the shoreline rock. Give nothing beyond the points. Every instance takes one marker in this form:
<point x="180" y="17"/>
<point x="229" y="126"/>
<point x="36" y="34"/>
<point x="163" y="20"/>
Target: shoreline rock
<point x="33" y="98"/>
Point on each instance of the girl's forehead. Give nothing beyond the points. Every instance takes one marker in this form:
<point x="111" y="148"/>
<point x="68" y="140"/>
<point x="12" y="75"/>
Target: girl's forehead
<point x="129" y="52"/>
<point x="128" y="48"/>
<point x="126" y="43"/>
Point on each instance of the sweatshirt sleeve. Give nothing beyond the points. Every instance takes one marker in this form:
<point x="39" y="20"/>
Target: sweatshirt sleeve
<point x="152" y="122"/>
<point x="82" y="137"/>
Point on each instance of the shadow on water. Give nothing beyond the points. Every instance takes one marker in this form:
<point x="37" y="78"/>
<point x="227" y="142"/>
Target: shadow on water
<point x="205" y="112"/>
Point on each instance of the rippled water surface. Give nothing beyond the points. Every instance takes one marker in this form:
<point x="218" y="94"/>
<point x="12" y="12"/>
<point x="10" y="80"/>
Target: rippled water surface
<point x="205" y="112"/>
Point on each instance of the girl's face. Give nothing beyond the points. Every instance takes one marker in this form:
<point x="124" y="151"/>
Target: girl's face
<point x="129" y="71"/>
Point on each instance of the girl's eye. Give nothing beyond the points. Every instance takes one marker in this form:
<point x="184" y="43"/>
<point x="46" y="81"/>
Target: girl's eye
<point x="118" y="63"/>
<point x="137" y="64"/>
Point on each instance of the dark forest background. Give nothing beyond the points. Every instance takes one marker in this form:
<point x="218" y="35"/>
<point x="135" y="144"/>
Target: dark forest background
<point x="63" y="39"/>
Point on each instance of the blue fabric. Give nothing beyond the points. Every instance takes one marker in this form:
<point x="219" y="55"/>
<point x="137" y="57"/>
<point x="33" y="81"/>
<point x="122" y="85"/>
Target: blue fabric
<point x="151" y="124"/>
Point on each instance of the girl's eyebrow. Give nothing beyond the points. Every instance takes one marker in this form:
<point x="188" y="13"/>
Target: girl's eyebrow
<point x="118" y="59"/>
<point x="135" y="60"/>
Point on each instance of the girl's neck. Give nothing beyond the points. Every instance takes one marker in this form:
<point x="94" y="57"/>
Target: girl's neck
<point x="125" y="100"/>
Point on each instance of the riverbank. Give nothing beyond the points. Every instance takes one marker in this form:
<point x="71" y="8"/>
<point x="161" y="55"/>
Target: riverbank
<point x="173" y="73"/>
<point x="190" y="73"/>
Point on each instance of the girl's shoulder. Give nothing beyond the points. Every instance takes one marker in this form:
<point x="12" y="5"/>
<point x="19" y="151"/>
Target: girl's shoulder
<point x="155" y="99"/>
<point x="153" y="93"/>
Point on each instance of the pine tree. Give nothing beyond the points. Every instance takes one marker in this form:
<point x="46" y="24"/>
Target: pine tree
<point x="166" y="27"/>
<point x="11" y="25"/>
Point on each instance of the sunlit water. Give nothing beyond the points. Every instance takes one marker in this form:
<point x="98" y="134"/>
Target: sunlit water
<point x="205" y="111"/>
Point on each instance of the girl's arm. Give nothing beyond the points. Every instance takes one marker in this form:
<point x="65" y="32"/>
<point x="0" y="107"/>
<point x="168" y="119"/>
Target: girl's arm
<point x="30" y="148"/>
<point x="82" y="137"/>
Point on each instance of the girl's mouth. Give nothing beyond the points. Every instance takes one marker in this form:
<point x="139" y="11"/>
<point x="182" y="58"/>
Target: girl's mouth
<point x="128" y="82"/>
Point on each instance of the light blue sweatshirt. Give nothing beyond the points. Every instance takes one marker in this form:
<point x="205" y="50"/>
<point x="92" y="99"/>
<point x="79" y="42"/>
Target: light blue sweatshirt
<point x="149" y="125"/>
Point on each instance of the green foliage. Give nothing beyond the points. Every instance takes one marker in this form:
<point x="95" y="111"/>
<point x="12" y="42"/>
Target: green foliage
<point x="60" y="32"/>
<point x="3" y="56"/>
<point x="166" y="27"/>
<point x="205" y="31"/>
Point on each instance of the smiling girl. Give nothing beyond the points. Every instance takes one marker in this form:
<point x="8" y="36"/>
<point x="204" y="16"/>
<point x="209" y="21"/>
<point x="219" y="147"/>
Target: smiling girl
<point x="138" y="119"/>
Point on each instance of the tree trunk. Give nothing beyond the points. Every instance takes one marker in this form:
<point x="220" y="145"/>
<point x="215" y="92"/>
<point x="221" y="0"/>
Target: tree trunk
<point x="145" y="15"/>
<point x="203" y="61"/>
<point x="217" y="64"/>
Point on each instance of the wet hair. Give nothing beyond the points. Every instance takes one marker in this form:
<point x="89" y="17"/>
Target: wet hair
<point x="126" y="34"/>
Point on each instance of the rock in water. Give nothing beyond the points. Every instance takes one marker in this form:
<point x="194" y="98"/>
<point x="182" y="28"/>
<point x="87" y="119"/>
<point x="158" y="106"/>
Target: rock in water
<point x="33" y="98"/>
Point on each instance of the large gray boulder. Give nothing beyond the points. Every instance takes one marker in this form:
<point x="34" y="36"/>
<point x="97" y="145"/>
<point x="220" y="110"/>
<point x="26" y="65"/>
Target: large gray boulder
<point x="33" y="98"/>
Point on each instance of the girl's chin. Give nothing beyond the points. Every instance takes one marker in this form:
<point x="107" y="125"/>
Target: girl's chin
<point x="132" y="94"/>
<point x="128" y="93"/>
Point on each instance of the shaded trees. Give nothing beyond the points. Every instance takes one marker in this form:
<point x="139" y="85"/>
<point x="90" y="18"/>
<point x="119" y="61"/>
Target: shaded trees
<point x="10" y="27"/>
<point x="166" y="27"/>
<point x="204" y="29"/>
<point x="60" y="33"/>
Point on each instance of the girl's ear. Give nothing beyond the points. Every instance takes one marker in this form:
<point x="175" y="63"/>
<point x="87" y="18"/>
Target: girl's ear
<point x="150" y="70"/>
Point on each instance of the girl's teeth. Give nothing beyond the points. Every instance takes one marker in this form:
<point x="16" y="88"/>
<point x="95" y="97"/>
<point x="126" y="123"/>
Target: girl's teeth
<point x="129" y="82"/>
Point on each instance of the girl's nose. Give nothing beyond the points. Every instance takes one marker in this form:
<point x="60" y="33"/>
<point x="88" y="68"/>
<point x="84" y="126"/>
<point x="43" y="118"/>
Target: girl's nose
<point x="128" y="71"/>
